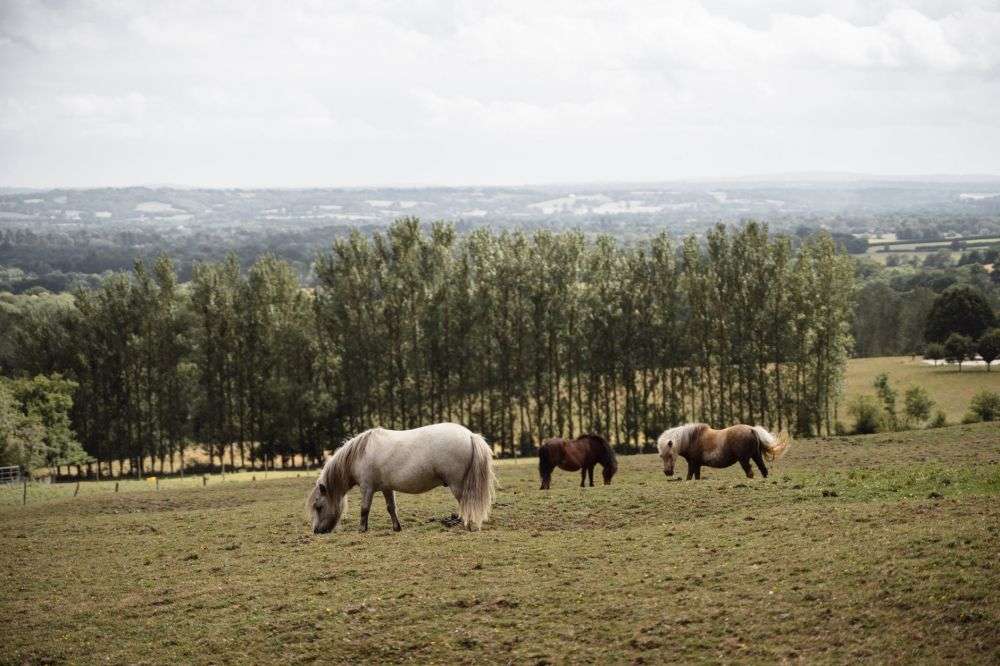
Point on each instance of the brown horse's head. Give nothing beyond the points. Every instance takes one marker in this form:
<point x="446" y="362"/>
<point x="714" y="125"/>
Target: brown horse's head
<point x="668" y="454"/>
<point x="325" y="508"/>
<point x="609" y="462"/>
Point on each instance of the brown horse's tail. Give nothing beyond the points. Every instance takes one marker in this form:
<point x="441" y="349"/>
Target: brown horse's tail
<point x="772" y="446"/>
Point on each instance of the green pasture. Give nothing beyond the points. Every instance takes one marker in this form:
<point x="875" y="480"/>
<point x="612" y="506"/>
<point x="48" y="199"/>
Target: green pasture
<point x="879" y="548"/>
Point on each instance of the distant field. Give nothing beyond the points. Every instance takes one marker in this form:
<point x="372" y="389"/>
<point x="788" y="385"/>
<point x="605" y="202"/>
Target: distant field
<point x="882" y="257"/>
<point x="12" y="495"/>
<point x="880" y="549"/>
<point x="950" y="389"/>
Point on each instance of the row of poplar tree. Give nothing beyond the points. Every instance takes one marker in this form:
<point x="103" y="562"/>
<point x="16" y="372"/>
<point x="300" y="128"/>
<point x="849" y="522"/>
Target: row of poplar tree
<point x="520" y="337"/>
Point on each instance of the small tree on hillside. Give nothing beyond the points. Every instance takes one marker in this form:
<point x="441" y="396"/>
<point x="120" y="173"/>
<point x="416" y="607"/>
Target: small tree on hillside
<point x="887" y="395"/>
<point x="957" y="349"/>
<point x="989" y="346"/>
<point x="918" y="404"/>
<point x="934" y="351"/>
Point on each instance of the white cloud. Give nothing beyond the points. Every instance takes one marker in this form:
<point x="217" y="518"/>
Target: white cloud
<point x="512" y="91"/>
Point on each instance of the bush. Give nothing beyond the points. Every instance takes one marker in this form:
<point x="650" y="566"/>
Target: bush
<point x="867" y="413"/>
<point x="939" y="420"/>
<point x="985" y="405"/>
<point x="918" y="404"/>
<point x="934" y="352"/>
<point x="970" y="417"/>
<point x="887" y="395"/>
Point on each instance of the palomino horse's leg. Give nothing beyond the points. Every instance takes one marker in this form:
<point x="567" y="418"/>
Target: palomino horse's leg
<point x="759" y="459"/>
<point x="745" y="464"/>
<point x="390" y="505"/>
<point x="366" y="505"/>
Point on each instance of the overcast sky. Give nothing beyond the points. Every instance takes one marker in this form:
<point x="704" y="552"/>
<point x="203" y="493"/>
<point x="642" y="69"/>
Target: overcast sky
<point x="296" y="94"/>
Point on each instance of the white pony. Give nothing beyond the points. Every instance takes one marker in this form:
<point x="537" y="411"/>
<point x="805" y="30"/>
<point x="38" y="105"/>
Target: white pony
<point x="410" y="461"/>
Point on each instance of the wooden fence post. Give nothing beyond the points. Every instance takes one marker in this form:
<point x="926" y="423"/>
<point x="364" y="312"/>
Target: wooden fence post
<point x="116" y="486"/>
<point x="24" y="497"/>
<point x="76" y="491"/>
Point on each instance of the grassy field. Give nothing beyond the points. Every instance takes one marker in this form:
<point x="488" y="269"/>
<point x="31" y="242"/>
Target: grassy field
<point x="950" y="389"/>
<point x="877" y="548"/>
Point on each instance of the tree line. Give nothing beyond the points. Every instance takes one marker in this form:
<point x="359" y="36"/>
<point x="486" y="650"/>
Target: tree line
<point x="518" y="336"/>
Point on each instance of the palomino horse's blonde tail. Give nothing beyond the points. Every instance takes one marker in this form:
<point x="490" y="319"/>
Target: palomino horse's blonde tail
<point x="478" y="486"/>
<point x="778" y="446"/>
<point x="773" y="447"/>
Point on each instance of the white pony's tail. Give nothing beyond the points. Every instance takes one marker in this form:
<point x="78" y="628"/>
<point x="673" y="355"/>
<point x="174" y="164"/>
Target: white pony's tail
<point x="773" y="447"/>
<point x="478" y="486"/>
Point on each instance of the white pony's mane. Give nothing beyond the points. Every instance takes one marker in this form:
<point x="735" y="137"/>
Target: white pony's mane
<point x="680" y="436"/>
<point x="336" y="472"/>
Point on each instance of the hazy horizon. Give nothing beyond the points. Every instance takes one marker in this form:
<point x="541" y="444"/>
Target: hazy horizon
<point x="444" y="94"/>
<point x="804" y="177"/>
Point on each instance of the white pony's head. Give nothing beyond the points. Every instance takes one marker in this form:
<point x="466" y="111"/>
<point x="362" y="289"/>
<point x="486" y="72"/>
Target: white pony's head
<point x="325" y="506"/>
<point x="673" y="442"/>
<point x="327" y="501"/>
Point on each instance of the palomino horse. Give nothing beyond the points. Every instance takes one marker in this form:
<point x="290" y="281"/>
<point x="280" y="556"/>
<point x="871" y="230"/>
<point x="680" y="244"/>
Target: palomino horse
<point x="576" y="454"/>
<point x="410" y="461"/>
<point x="701" y="445"/>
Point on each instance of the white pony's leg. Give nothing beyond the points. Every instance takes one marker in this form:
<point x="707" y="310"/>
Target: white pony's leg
<point x="390" y="505"/>
<point x="367" y="492"/>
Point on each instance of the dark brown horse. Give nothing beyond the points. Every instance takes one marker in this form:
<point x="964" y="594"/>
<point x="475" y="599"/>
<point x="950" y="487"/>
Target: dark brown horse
<point x="581" y="454"/>
<point x="700" y="445"/>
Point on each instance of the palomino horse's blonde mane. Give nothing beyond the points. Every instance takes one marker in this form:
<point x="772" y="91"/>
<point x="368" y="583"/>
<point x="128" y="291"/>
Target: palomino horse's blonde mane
<point x="337" y="472"/>
<point x="682" y="435"/>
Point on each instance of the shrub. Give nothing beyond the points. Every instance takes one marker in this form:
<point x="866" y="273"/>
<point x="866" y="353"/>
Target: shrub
<point x="918" y="404"/>
<point x="970" y="417"/>
<point x="939" y="420"/>
<point x="867" y="413"/>
<point x="934" y="352"/>
<point x="985" y="405"/>
<point x="887" y="395"/>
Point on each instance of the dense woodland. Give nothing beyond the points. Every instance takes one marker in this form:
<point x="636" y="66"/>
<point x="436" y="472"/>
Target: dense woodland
<point x="518" y="336"/>
<point x="893" y="301"/>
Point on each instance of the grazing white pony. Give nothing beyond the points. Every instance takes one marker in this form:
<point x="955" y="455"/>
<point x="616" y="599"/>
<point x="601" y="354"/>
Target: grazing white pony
<point x="410" y="461"/>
